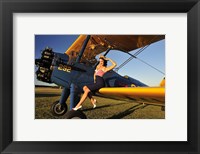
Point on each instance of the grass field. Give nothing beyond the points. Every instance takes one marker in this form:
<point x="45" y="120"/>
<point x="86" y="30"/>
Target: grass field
<point x="106" y="108"/>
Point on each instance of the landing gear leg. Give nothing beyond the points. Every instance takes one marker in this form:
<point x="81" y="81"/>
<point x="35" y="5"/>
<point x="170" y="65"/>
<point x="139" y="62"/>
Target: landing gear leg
<point x="74" y="96"/>
<point x="59" y="108"/>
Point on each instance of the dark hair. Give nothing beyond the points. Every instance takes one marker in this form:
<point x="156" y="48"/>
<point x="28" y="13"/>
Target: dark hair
<point x="104" y="62"/>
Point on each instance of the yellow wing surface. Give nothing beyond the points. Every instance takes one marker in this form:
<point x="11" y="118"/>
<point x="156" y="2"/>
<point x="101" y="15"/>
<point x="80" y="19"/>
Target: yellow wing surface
<point x="148" y="95"/>
<point x="100" y="43"/>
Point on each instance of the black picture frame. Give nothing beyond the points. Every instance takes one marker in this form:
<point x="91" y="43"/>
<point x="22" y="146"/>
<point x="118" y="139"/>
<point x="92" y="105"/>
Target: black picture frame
<point x="8" y="7"/>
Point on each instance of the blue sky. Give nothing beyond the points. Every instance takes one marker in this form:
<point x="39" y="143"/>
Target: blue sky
<point x="153" y="55"/>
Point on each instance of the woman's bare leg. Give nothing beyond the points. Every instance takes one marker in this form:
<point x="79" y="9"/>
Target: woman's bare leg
<point x="83" y="98"/>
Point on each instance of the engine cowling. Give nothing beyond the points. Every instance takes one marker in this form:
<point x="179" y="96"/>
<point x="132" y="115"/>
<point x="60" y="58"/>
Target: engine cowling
<point x="44" y="65"/>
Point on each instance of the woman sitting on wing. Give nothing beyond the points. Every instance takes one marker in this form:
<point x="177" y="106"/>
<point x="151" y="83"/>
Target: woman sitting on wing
<point x="101" y="69"/>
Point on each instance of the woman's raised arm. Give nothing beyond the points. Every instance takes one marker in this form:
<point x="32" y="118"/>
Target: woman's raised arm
<point x="114" y="64"/>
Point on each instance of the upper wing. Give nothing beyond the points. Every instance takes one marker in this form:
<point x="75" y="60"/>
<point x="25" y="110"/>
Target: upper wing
<point x="148" y="95"/>
<point x="100" y="43"/>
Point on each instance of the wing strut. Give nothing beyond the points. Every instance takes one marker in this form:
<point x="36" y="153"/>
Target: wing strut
<point x="83" y="48"/>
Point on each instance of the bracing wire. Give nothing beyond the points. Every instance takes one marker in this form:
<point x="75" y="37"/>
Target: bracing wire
<point x="136" y="54"/>
<point x="150" y="65"/>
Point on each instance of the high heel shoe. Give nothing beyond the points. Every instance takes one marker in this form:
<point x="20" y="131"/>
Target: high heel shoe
<point x="75" y="109"/>
<point x="94" y="103"/>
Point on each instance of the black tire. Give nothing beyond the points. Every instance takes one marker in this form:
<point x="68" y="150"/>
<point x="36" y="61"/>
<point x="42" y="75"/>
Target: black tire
<point x="75" y="115"/>
<point x="57" y="109"/>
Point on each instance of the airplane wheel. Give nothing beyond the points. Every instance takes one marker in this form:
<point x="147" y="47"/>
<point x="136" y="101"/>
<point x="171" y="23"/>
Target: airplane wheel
<point x="57" y="109"/>
<point x="163" y="108"/>
<point x="75" y="115"/>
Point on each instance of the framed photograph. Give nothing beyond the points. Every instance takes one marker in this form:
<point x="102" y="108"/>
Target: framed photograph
<point x="101" y="76"/>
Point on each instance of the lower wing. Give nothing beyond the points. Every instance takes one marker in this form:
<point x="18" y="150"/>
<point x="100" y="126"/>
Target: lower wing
<point x="147" y="95"/>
